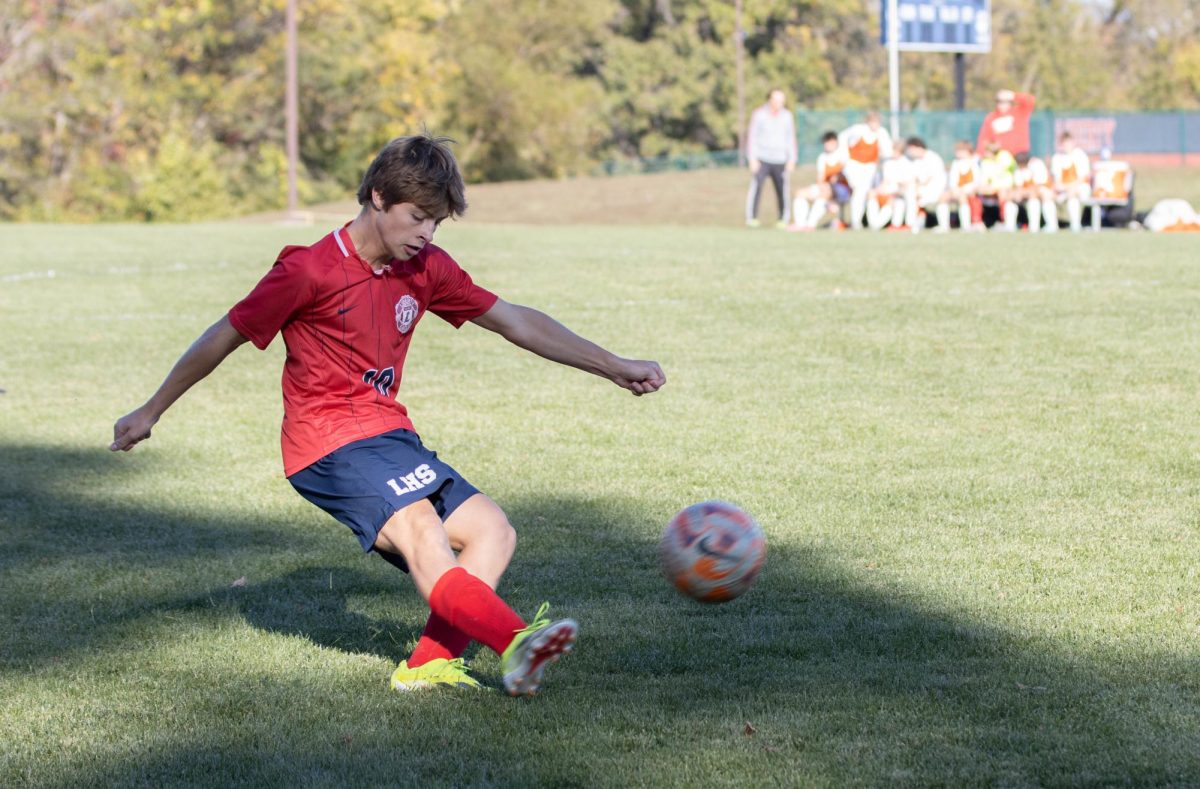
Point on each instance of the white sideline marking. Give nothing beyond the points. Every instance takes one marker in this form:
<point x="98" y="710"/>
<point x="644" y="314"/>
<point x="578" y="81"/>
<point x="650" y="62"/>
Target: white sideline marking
<point x="28" y="275"/>
<point x="113" y="271"/>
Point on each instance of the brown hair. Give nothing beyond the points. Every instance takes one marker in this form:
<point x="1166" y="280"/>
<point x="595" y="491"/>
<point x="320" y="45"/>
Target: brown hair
<point x="418" y="169"/>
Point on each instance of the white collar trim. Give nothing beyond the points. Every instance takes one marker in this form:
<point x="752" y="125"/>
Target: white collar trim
<point x="337" y="236"/>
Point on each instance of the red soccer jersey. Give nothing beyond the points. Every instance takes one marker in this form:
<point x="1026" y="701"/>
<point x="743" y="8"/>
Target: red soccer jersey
<point x="347" y="330"/>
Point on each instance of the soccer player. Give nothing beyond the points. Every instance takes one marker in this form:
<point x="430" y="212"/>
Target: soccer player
<point x="1031" y="187"/>
<point x="996" y="182"/>
<point x="867" y="144"/>
<point x="347" y="308"/>
<point x="829" y="193"/>
<point x="962" y="190"/>
<point x="771" y="151"/>
<point x="1008" y="124"/>
<point x="927" y="185"/>
<point x="886" y="201"/>
<point x="1072" y="173"/>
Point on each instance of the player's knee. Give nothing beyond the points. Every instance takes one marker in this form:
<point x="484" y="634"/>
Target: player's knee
<point x="504" y="536"/>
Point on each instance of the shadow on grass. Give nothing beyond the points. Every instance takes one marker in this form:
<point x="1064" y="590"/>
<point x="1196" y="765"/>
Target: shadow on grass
<point x="83" y="569"/>
<point x="842" y="684"/>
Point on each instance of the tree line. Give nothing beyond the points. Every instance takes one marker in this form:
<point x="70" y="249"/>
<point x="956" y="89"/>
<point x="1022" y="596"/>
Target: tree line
<point x="138" y="109"/>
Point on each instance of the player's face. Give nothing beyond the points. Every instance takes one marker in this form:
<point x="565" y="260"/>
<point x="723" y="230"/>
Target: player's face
<point x="831" y="146"/>
<point x="405" y="229"/>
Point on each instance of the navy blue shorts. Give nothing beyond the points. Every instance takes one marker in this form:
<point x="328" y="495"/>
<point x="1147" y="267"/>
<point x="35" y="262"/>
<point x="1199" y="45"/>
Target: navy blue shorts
<point x="841" y="192"/>
<point x="366" y="482"/>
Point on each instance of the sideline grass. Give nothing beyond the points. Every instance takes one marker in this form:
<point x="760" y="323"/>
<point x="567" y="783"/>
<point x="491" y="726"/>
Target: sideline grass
<point x="708" y="198"/>
<point x="975" y="459"/>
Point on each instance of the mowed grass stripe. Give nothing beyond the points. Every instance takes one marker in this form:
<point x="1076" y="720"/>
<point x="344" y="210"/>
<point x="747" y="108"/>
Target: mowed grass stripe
<point x="974" y="458"/>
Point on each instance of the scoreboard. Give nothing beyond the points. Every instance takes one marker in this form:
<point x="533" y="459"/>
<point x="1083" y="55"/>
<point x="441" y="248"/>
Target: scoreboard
<point x="940" y="25"/>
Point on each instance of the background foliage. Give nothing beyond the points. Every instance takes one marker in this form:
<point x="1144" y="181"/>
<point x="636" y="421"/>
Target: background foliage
<point x="134" y="109"/>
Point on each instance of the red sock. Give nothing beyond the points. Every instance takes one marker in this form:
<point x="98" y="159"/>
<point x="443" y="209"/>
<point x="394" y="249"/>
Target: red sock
<point x="976" y="210"/>
<point x="440" y="639"/>
<point x="470" y="606"/>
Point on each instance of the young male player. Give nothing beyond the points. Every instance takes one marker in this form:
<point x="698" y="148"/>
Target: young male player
<point x="824" y="198"/>
<point x="963" y="189"/>
<point x="1031" y="188"/>
<point x="347" y="307"/>
<point x="886" y="203"/>
<point x="867" y="145"/>
<point x="1072" y="172"/>
<point x="996" y="182"/>
<point x="927" y="185"/>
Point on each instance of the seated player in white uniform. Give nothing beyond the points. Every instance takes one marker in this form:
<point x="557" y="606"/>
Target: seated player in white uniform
<point x="962" y="190"/>
<point x="885" y="202"/>
<point x="926" y="185"/>
<point x="1072" y="173"/>
<point x="823" y="200"/>
<point x="1031" y="188"/>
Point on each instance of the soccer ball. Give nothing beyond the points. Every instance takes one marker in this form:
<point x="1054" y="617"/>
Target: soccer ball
<point x="712" y="551"/>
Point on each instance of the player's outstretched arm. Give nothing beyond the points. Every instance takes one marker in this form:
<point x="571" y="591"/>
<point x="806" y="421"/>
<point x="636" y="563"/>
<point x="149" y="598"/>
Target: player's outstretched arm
<point x="217" y="342"/>
<point x="538" y="332"/>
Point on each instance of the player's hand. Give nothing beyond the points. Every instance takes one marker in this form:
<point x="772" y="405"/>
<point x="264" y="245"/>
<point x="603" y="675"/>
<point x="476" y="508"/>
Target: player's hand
<point x="639" y="377"/>
<point x="754" y="165"/>
<point x="131" y="429"/>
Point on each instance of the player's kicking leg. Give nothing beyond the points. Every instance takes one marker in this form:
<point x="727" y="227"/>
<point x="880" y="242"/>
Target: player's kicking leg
<point x="464" y="602"/>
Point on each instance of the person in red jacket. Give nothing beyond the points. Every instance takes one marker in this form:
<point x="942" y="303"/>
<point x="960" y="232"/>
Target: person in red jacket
<point x="1008" y="124"/>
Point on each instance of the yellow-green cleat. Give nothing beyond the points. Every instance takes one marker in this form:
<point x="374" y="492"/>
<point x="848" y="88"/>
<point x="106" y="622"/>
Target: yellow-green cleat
<point x="436" y="673"/>
<point x="542" y="642"/>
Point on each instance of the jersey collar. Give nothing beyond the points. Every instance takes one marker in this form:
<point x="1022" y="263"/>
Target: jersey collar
<point x="346" y="245"/>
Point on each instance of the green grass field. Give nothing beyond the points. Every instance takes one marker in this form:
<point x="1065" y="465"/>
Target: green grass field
<point x="711" y="198"/>
<point x="976" y="459"/>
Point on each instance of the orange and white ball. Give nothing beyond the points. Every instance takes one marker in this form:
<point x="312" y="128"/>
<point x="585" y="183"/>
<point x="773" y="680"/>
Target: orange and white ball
<point x="712" y="551"/>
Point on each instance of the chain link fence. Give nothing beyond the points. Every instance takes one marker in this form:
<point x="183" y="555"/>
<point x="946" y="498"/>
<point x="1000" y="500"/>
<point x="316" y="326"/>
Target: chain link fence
<point x="1165" y="138"/>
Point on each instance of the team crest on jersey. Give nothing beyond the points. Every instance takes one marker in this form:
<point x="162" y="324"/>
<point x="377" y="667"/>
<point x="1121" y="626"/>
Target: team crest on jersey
<point x="406" y="313"/>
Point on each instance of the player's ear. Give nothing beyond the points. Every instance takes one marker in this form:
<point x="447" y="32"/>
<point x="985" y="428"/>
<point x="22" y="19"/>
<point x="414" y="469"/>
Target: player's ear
<point x="376" y="200"/>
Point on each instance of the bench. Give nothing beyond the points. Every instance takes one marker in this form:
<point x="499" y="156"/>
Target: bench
<point x="1112" y="193"/>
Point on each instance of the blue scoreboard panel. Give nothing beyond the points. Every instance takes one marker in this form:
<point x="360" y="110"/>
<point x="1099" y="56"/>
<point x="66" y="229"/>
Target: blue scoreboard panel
<point x="941" y="25"/>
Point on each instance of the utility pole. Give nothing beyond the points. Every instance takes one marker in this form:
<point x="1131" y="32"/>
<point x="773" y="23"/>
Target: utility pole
<point x="960" y="81"/>
<point x="292" y="111"/>
<point x="893" y="40"/>
<point x="739" y="38"/>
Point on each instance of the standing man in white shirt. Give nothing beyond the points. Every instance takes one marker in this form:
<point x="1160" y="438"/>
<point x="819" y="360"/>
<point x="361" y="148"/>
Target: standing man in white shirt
<point x="771" y="151"/>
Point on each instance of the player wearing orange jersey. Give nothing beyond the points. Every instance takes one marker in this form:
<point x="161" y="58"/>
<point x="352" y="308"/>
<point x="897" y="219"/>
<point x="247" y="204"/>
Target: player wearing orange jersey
<point x="1031" y="188"/>
<point x="886" y="201"/>
<point x="1072" y="179"/>
<point x="829" y="193"/>
<point x="867" y="144"/>
<point x="962" y="190"/>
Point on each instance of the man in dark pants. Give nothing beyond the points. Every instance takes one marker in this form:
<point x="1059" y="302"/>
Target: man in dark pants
<point x="771" y="150"/>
